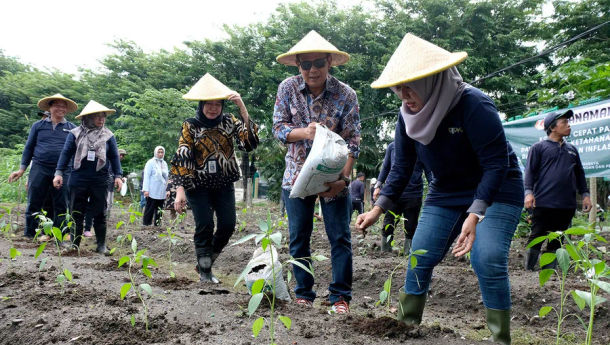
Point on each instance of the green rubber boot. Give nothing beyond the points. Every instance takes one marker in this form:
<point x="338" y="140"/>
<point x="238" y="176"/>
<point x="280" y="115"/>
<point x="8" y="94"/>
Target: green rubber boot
<point x="498" y="322"/>
<point x="410" y="307"/>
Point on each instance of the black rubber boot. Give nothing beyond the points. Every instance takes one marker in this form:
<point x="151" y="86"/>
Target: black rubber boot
<point x="407" y="246"/>
<point x="531" y="258"/>
<point x="204" y="266"/>
<point x="410" y="308"/>
<point x="498" y="322"/>
<point x="100" y="236"/>
<point x="386" y="244"/>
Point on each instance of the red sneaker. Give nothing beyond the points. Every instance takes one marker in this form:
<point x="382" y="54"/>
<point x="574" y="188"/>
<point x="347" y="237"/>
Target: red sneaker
<point x="303" y="302"/>
<point x="341" y="307"/>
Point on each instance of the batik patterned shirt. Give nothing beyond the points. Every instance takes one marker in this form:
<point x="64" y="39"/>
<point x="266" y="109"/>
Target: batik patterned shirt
<point x="295" y="107"/>
<point x="206" y="156"/>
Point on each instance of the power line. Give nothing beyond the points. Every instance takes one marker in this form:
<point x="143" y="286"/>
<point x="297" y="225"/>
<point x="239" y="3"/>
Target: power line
<point x="545" y="52"/>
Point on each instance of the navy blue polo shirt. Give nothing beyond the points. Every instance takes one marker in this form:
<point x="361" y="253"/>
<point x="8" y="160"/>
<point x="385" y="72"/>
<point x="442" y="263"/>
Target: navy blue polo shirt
<point x="554" y="173"/>
<point x="415" y="188"/>
<point x="86" y="174"/>
<point x="45" y="142"/>
<point x="469" y="157"/>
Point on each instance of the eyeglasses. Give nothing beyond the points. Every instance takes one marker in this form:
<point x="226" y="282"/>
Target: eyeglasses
<point x="319" y="63"/>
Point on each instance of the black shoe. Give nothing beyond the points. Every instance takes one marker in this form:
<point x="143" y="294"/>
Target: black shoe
<point x="103" y="250"/>
<point x="208" y="277"/>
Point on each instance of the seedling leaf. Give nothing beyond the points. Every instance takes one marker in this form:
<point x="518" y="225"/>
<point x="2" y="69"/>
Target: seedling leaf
<point x="254" y="302"/>
<point x="146" y="288"/>
<point x="244" y="239"/>
<point x="563" y="259"/>
<point x="547" y="258"/>
<point x="257" y="326"/>
<point x="125" y="289"/>
<point x="601" y="284"/>
<point x="68" y="274"/>
<point x="544" y="310"/>
<point x="299" y="264"/>
<point x="544" y="276"/>
<point x="580" y="302"/>
<point x="286" y="321"/>
<point x="123" y="260"/>
<point x="14" y="252"/>
<point x="258" y="285"/>
<point x="40" y="250"/>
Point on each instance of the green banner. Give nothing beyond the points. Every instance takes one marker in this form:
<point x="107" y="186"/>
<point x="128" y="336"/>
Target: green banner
<point x="590" y="134"/>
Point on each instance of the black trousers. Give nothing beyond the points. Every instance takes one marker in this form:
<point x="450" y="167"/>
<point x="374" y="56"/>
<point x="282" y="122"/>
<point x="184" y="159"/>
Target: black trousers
<point x="409" y="209"/>
<point x="546" y="220"/>
<point x="88" y="198"/>
<point x="40" y="186"/>
<point x="204" y="203"/>
<point x="153" y="209"/>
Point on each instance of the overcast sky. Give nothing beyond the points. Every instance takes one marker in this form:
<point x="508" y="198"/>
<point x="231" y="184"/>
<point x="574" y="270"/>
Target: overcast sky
<point x="66" y="34"/>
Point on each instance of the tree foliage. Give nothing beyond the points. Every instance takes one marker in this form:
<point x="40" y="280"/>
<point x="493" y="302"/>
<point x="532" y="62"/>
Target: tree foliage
<point x="146" y="88"/>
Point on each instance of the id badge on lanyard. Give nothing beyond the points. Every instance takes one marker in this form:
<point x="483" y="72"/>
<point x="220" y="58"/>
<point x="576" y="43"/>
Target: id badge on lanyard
<point x="91" y="154"/>
<point x="212" y="166"/>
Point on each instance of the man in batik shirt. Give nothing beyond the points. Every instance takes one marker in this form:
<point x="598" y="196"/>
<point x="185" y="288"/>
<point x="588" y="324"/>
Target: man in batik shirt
<point x="314" y="96"/>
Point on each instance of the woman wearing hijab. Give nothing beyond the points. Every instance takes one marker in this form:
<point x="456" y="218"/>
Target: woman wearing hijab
<point x="477" y="192"/>
<point x="204" y="167"/>
<point x="93" y="147"/>
<point x="153" y="186"/>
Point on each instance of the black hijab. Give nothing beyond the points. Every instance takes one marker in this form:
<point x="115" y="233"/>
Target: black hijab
<point x="201" y="120"/>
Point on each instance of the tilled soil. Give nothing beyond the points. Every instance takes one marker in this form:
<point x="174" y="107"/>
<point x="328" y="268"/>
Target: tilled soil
<point x="35" y="309"/>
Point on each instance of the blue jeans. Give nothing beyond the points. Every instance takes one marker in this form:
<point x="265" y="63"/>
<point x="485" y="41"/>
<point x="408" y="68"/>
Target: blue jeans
<point x="336" y="221"/>
<point x="437" y="229"/>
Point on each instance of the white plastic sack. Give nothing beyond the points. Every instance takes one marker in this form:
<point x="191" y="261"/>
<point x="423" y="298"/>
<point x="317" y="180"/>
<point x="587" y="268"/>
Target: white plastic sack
<point x="323" y="164"/>
<point x="261" y="269"/>
<point x="124" y="188"/>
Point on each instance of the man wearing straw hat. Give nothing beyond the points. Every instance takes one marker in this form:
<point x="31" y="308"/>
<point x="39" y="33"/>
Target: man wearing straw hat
<point x="315" y="96"/>
<point x="42" y="148"/>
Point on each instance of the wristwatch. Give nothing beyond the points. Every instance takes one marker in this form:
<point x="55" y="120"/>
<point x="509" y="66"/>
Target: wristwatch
<point x="345" y="179"/>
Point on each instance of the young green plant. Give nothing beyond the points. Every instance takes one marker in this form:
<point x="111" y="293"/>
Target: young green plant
<point x="263" y="288"/>
<point x="137" y="257"/>
<point x="580" y="256"/>
<point x="45" y="226"/>
<point x="172" y="240"/>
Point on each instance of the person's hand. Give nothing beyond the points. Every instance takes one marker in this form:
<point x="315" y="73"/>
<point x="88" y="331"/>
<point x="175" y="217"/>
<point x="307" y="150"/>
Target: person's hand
<point x="15" y="175"/>
<point x="118" y="183"/>
<point x="310" y="131"/>
<point x="368" y="218"/>
<point x="376" y="193"/>
<point x="239" y="102"/>
<point x="146" y="194"/>
<point x="530" y="201"/>
<point x="180" y="201"/>
<point x="58" y="181"/>
<point x="586" y="204"/>
<point x="466" y="239"/>
<point x="335" y="188"/>
<point x="167" y="194"/>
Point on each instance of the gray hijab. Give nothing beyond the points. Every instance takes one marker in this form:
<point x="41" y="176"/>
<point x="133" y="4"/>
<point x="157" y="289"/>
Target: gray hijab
<point x="89" y="137"/>
<point x="440" y="93"/>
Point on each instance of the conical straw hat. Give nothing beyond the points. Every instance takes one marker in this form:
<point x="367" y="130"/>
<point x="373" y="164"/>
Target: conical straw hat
<point x="94" y="107"/>
<point x="43" y="104"/>
<point x="208" y="88"/>
<point x="313" y="43"/>
<point x="416" y="58"/>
